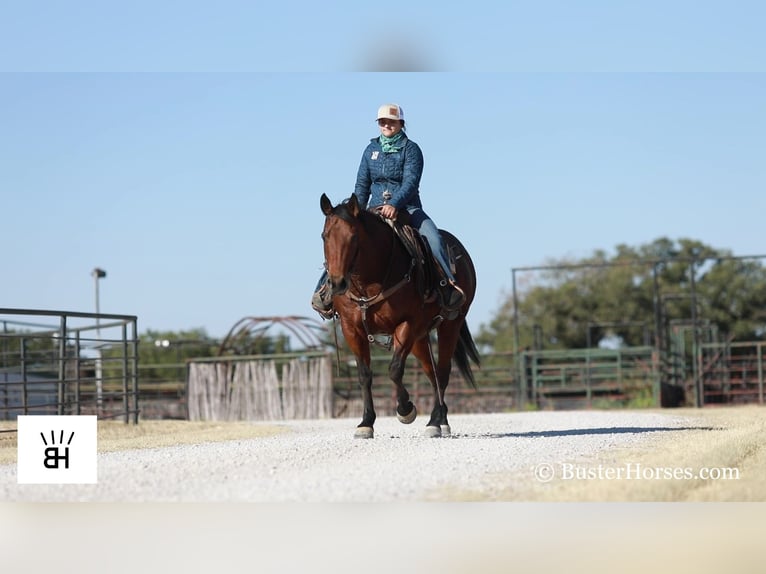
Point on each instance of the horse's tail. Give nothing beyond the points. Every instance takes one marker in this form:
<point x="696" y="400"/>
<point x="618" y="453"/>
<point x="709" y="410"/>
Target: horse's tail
<point x="465" y="352"/>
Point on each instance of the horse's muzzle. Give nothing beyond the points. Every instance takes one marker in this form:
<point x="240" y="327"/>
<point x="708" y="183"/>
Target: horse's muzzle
<point x="338" y="286"/>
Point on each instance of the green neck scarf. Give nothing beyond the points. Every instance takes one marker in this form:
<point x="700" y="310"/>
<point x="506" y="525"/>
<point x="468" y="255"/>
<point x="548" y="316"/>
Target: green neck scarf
<point x="391" y="144"/>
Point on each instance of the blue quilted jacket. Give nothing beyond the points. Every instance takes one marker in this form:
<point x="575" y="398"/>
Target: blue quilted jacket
<point x="392" y="178"/>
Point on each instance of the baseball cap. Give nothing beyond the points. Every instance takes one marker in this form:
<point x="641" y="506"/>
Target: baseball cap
<point x="391" y="112"/>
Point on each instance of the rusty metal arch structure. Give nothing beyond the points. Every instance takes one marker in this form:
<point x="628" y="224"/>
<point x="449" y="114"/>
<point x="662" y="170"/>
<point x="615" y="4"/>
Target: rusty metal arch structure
<point x="306" y="330"/>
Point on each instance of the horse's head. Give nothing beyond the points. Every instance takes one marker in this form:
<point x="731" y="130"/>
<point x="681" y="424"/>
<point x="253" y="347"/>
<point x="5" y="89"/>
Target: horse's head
<point x="341" y="240"/>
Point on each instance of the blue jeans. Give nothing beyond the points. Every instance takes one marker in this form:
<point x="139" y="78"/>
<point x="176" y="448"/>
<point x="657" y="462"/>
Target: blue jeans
<point x="427" y="228"/>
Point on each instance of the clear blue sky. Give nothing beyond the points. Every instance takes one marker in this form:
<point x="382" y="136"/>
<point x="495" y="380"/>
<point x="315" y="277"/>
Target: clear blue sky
<point x="199" y="192"/>
<point x="297" y="35"/>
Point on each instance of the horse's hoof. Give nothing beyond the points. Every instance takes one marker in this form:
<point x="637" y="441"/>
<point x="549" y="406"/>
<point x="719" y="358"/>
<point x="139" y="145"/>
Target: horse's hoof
<point x="408" y="418"/>
<point x="433" y="432"/>
<point x="446" y="431"/>
<point x="364" y="432"/>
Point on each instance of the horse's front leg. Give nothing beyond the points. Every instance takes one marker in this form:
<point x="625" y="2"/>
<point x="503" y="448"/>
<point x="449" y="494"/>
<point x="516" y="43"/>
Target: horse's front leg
<point x="357" y="342"/>
<point x="365" y="428"/>
<point x="405" y="409"/>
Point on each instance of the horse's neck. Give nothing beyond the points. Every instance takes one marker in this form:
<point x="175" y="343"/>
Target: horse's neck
<point x="381" y="253"/>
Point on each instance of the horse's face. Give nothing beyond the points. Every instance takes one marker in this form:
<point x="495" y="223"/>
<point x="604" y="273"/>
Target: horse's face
<point x="341" y="242"/>
<point x="340" y="249"/>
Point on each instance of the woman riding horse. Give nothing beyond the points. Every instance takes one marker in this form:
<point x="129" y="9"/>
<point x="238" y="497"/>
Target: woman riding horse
<point x="388" y="180"/>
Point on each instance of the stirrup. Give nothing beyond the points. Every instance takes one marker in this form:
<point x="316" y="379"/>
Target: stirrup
<point x="453" y="297"/>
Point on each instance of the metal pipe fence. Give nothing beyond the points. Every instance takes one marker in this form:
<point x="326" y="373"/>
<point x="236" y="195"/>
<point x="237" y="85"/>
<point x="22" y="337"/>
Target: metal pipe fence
<point x="68" y="363"/>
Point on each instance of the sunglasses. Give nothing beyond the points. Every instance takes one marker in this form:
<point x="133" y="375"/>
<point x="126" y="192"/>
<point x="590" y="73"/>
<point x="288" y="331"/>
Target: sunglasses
<point x="387" y="121"/>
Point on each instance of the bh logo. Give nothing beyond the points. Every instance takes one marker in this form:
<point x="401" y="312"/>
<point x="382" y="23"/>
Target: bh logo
<point x="52" y="456"/>
<point x="57" y="449"/>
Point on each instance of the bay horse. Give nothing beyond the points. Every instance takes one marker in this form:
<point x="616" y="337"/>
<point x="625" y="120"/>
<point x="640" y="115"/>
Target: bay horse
<point x="374" y="291"/>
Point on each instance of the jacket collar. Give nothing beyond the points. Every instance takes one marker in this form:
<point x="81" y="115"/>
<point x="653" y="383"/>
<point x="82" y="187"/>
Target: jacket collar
<point x="376" y="140"/>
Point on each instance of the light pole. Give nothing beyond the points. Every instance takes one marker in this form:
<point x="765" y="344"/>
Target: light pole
<point x="97" y="274"/>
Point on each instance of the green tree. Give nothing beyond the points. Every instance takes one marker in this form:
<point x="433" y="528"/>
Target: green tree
<point x="573" y="303"/>
<point x="38" y="351"/>
<point x="162" y="355"/>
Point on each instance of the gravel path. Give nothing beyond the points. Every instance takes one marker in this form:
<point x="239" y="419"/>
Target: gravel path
<point x="319" y="461"/>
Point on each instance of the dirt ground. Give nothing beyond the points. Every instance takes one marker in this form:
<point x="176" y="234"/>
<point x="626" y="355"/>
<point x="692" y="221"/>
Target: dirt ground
<point x="728" y="443"/>
<point x="713" y="438"/>
<point x="113" y="435"/>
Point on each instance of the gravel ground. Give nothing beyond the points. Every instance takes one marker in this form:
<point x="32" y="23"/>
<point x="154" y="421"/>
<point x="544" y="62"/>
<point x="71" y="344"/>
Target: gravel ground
<point x="320" y="461"/>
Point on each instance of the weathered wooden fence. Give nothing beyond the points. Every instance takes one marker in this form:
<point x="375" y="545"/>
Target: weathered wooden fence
<point x="271" y="387"/>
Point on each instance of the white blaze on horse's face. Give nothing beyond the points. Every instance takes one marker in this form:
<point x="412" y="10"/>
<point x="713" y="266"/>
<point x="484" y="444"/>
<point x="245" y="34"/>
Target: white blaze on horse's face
<point x="340" y="250"/>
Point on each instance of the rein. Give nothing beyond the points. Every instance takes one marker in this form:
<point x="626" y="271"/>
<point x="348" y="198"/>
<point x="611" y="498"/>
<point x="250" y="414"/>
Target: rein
<point x="365" y="303"/>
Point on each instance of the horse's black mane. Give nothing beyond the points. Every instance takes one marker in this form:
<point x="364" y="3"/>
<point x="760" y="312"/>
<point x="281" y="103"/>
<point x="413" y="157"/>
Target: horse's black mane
<point x="342" y="210"/>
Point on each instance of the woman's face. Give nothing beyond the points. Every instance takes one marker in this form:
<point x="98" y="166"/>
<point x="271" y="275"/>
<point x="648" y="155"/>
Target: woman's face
<point x="389" y="128"/>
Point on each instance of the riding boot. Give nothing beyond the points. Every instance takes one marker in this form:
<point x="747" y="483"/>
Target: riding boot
<point x="452" y="298"/>
<point x="321" y="302"/>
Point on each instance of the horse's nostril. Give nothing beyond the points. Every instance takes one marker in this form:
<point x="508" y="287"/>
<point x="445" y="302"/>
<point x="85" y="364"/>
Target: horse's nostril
<point x="338" y="285"/>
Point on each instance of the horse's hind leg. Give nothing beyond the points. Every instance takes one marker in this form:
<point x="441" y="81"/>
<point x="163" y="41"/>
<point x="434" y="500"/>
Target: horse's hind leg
<point x="449" y="334"/>
<point x="437" y="425"/>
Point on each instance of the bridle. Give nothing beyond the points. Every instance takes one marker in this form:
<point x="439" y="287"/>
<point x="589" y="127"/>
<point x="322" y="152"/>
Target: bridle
<point x="364" y="303"/>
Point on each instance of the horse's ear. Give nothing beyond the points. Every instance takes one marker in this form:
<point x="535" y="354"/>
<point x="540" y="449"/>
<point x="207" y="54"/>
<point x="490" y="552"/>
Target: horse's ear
<point x="353" y="205"/>
<point x="325" y="204"/>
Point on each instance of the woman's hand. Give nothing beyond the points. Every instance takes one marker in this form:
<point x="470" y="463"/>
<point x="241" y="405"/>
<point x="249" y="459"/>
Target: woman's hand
<point x="388" y="211"/>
